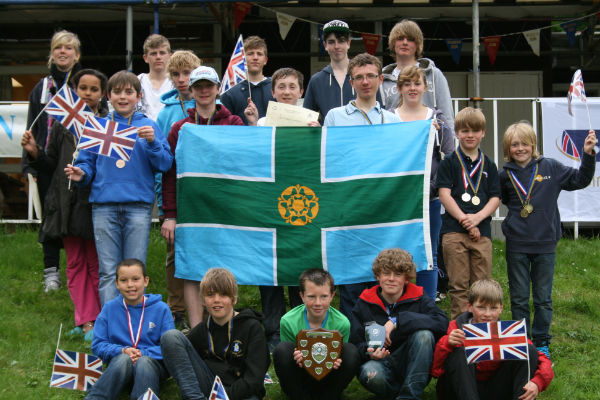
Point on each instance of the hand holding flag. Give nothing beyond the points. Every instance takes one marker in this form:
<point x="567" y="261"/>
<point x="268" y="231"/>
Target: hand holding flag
<point x="492" y="341"/>
<point x="110" y="138"/>
<point x="577" y="90"/>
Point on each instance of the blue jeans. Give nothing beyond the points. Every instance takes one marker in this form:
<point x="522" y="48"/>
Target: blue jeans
<point x="193" y="376"/>
<point x="404" y="374"/>
<point x="538" y="270"/>
<point x="145" y="373"/>
<point x="435" y="227"/>
<point x="121" y="231"/>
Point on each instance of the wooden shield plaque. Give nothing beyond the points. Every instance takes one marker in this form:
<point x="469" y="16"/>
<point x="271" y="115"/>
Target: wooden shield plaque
<point x="320" y="348"/>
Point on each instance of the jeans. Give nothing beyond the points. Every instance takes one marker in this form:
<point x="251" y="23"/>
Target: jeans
<point x="145" y="373"/>
<point x="121" y="231"/>
<point x="538" y="270"/>
<point x="404" y="374"/>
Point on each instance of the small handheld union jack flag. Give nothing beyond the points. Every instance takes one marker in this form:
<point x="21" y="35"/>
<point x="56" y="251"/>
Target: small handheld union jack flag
<point x="148" y="395"/>
<point x="218" y="390"/>
<point x="236" y="70"/>
<point x="501" y="340"/>
<point x="108" y="138"/>
<point x="68" y="109"/>
<point x="76" y="371"/>
<point x="576" y="90"/>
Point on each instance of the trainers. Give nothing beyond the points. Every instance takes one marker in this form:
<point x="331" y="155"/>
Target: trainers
<point x="439" y="297"/>
<point x="51" y="283"/>
<point x="180" y="322"/>
<point x="545" y="350"/>
<point x="89" y="335"/>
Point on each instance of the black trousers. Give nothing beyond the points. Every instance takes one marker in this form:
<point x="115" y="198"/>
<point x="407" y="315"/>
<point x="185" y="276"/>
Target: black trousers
<point x="297" y="384"/>
<point x="273" y="306"/>
<point x="460" y="382"/>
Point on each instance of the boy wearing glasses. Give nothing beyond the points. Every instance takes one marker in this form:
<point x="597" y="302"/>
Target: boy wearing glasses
<point x="365" y="77"/>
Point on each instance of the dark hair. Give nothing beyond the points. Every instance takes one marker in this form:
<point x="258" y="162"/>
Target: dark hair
<point x="130" y="262"/>
<point x="318" y="276"/>
<point x="88" y="71"/>
<point x="341" y="36"/>
<point x="363" y="59"/>
<point x="282" y="73"/>
<point x="122" y="79"/>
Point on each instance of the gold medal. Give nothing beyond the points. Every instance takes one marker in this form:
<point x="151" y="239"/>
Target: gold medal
<point x="475" y="200"/>
<point x="529" y="208"/>
<point x="465" y="197"/>
<point x="120" y="163"/>
<point x="524" y="212"/>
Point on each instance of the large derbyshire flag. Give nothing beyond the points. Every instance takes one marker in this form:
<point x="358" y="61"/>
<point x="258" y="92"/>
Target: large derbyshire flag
<point x="267" y="203"/>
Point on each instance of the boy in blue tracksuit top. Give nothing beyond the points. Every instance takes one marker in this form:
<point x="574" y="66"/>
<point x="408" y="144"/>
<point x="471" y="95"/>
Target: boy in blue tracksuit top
<point x="530" y="185"/>
<point x="127" y="336"/>
<point x="122" y="192"/>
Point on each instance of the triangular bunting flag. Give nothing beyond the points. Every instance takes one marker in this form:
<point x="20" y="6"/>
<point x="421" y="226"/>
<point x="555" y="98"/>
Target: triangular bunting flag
<point x="240" y="10"/>
<point x="455" y="48"/>
<point x="533" y="38"/>
<point x="492" y="43"/>
<point x="371" y="40"/>
<point x="285" y="22"/>
<point x="570" y="27"/>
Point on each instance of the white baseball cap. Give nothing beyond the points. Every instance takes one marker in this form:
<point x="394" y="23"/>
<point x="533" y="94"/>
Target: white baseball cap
<point x="204" y="73"/>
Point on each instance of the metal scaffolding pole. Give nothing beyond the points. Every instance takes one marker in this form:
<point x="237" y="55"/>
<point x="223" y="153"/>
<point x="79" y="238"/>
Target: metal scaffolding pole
<point x="129" y="40"/>
<point x="476" y="89"/>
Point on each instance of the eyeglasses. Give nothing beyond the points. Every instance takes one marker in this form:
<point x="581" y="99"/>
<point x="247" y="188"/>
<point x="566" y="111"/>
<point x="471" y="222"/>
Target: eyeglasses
<point x="370" y="77"/>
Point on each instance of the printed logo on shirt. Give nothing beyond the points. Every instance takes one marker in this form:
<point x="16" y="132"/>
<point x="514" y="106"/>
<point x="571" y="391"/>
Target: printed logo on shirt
<point x="236" y="348"/>
<point x="540" y="178"/>
<point x="151" y="325"/>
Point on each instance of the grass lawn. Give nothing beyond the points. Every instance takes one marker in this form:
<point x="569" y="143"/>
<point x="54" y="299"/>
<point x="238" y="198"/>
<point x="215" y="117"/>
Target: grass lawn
<point x="30" y="320"/>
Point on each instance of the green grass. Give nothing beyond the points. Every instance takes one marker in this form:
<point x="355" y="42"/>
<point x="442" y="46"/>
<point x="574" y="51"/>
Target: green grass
<point x="30" y="320"/>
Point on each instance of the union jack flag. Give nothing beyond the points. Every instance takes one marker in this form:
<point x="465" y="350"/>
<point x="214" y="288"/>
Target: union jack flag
<point x="236" y="70"/>
<point x="149" y="395"/>
<point x="218" y="390"/>
<point x="68" y="109"/>
<point x="76" y="371"/>
<point x="501" y="340"/>
<point x="109" y="138"/>
<point x="576" y="90"/>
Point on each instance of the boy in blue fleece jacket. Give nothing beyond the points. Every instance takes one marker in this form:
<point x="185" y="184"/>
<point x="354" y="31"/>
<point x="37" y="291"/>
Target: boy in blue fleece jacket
<point x="127" y="336"/>
<point x="122" y="192"/>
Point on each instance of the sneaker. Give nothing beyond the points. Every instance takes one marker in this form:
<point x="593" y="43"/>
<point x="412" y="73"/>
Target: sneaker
<point x="77" y="331"/>
<point x="545" y="350"/>
<point x="439" y="297"/>
<point x="89" y="335"/>
<point x="51" y="283"/>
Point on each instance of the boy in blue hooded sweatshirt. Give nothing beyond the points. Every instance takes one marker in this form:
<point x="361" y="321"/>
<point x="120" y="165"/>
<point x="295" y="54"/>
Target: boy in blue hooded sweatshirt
<point x="122" y="193"/>
<point x="127" y="336"/>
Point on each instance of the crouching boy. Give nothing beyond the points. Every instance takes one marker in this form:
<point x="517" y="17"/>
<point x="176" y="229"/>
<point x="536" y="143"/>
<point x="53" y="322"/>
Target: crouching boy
<point x="412" y="321"/>
<point x="230" y="344"/>
<point x="458" y="380"/>
<point x="317" y="289"/>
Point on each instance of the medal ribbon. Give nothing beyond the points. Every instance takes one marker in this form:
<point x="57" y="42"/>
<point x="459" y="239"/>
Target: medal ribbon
<point x="211" y="344"/>
<point x="467" y="177"/>
<point x="112" y="117"/>
<point x="182" y="105"/>
<point x="209" y="120"/>
<point x="365" y="116"/>
<point x="519" y="187"/>
<point x="137" y="339"/>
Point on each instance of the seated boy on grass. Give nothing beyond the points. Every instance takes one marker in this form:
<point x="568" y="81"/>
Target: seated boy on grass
<point x="412" y="321"/>
<point x="229" y="344"/>
<point x="458" y="380"/>
<point x="127" y="336"/>
<point x="317" y="289"/>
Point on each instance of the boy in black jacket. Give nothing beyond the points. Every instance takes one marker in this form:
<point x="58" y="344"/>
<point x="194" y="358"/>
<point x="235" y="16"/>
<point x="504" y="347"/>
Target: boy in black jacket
<point x="412" y="322"/>
<point x="229" y="344"/>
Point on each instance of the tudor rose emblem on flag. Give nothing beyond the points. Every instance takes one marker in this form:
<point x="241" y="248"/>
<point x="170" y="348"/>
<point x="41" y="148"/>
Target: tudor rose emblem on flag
<point x="74" y="370"/>
<point x="236" y="70"/>
<point x="70" y="110"/>
<point x="108" y="138"/>
<point x="501" y="340"/>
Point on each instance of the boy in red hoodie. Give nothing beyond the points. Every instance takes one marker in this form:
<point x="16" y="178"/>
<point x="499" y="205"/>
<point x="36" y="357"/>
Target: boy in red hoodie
<point x="486" y="379"/>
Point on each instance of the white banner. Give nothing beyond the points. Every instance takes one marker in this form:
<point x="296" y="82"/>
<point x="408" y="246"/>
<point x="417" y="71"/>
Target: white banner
<point x="563" y="141"/>
<point x="13" y="121"/>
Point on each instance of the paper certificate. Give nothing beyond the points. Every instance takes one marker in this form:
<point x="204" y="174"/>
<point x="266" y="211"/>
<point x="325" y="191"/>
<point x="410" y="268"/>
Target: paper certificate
<point x="281" y="114"/>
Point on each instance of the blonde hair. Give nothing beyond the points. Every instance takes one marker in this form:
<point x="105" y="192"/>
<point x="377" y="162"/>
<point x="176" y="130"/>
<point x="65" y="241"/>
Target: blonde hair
<point x="395" y="260"/>
<point x="65" y="38"/>
<point x="221" y="281"/>
<point x="155" y="41"/>
<point x="469" y="118"/>
<point x="406" y="29"/>
<point x="409" y="74"/>
<point x="522" y="131"/>
<point x="487" y="291"/>
<point x="183" y="59"/>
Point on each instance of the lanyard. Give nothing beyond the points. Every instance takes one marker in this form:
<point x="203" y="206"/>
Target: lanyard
<point x="112" y="117"/>
<point x="209" y="120"/>
<point x="365" y="116"/>
<point x="467" y="176"/>
<point x="308" y="323"/>
<point x="519" y="187"/>
<point x="182" y="105"/>
<point x="137" y="339"/>
<point x="211" y="344"/>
